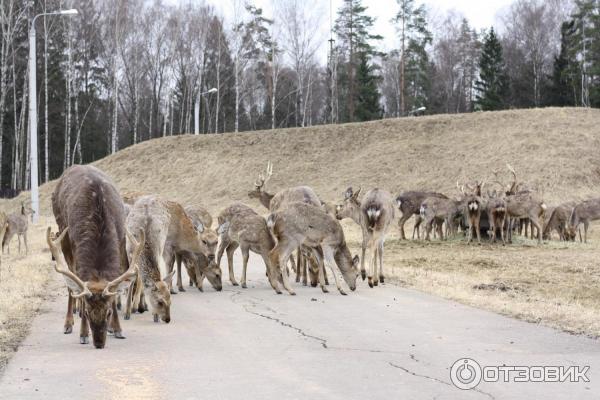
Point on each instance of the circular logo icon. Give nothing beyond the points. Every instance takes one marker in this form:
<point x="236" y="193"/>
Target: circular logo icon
<point x="465" y="373"/>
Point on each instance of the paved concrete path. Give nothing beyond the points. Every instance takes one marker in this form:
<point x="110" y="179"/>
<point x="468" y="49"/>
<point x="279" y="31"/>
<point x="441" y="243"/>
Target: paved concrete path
<point x="383" y="343"/>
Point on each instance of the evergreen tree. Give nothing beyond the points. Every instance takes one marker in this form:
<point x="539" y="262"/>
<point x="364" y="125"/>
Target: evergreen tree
<point x="561" y="91"/>
<point x="492" y="84"/>
<point x="368" y="107"/>
<point x="352" y="28"/>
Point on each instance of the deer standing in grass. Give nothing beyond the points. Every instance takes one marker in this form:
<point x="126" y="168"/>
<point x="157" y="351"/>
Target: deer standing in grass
<point x="438" y="210"/>
<point x="583" y="212"/>
<point x="150" y="216"/>
<point x="409" y="204"/>
<point x="240" y="226"/>
<point x="374" y="214"/>
<point x="496" y="209"/>
<point x="90" y="216"/>
<point x="301" y="224"/>
<point x="275" y="202"/>
<point x="18" y="223"/>
<point x="558" y="220"/>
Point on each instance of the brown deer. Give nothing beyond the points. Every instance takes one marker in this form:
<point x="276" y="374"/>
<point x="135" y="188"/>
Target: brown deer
<point x="558" y="220"/>
<point x="409" y="204"/>
<point x="149" y="216"/>
<point x="496" y="210"/>
<point x="240" y="226"/>
<point x="437" y="210"/>
<point x="18" y="223"/>
<point x="374" y="214"/>
<point x="584" y="212"/>
<point x="274" y="202"/>
<point x="89" y="213"/>
<point x="302" y="224"/>
<point x="198" y="265"/>
<point x="474" y="207"/>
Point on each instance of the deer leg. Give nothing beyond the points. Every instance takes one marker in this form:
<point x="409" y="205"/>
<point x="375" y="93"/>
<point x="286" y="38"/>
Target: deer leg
<point x="380" y="254"/>
<point x="401" y="223"/>
<point x="321" y="269"/>
<point x="230" y="250"/>
<point x="330" y="261"/>
<point x="279" y="256"/>
<point x="536" y="223"/>
<point x="179" y="281"/>
<point x="128" y="304"/>
<point x="19" y="241"/>
<point x="271" y="273"/>
<point x="363" y="249"/>
<point x="84" y="335"/>
<point x="502" y="222"/>
<point x="25" y="241"/>
<point x="372" y="259"/>
<point x="115" y="324"/>
<point x="245" y="255"/>
<point x="478" y="230"/>
<point x="417" y="227"/>
<point x="586" y="225"/>
<point x="68" y="328"/>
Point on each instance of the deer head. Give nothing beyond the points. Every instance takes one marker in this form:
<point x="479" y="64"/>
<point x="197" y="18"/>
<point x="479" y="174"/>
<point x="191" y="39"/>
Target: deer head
<point x="259" y="184"/>
<point x="98" y="295"/>
<point x="350" y="208"/>
<point x="207" y="241"/>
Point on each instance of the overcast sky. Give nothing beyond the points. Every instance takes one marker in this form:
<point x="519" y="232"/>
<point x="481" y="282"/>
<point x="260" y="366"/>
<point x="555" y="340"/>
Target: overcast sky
<point x="481" y="13"/>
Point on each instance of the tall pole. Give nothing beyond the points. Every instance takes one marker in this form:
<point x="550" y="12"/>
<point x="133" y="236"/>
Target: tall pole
<point x="197" y="115"/>
<point x="33" y="139"/>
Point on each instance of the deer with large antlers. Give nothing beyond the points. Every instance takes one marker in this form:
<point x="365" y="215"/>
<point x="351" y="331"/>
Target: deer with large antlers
<point x="275" y="202"/>
<point x="309" y="226"/>
<point x="90" y="216"/>
<point x="373" y="213"/>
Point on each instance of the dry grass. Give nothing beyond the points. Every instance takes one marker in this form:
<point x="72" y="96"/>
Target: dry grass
<point x="555" y="149"/>
<point x="23" y="286"/>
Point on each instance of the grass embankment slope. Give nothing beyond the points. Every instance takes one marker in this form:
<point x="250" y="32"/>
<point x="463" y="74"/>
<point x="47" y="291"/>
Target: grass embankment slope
<point x="555" y="149"/>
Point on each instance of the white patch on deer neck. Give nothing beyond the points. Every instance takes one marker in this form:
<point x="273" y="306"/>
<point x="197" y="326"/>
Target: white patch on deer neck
<point x="422" y="210"/>
<point x="399" y="203"/>
<point x="544" y="206"/>
<point x="473" y="206"/>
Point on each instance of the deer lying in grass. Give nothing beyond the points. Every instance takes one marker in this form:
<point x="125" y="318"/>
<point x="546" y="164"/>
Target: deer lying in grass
<point x="148" y="215"/>
<point x="301" y="224"/>
<point x="584" y="212"/>
<point x="275" y="202"/>
<point x="199" y="265"/>
<point x="89" y="213"/>
<point x="18" y="223"/>
<point x="240" y="226"/>
<point x="409" y="203"/>
<point x="374" y="214"/>
<point x="558" y="220"/>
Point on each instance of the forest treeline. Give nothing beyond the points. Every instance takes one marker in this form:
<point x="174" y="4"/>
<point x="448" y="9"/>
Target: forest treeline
<point x="125" y="71"/>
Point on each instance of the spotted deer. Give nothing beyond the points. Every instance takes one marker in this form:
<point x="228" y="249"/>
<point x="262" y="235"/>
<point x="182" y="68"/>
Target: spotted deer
<point x="148" y="215"/>
<point x="302" y="224"/>
<point x="374" y="214"/>
<point x="18" y="223"/>
<point x="198" y="265"/>
<point x="409" y="204"/>
<point x="583" y="213"/>
<point x="240" y="226"/>
<point x="279" y="200"/>
<point x="90" y="251"/>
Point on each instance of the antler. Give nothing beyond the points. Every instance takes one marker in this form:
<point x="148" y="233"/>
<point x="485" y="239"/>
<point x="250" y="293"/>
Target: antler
<point x="512" y="187"/>
<point x="133" y="269"/>
<point x="56" y="252"/>
<point x="461" y="188"/>
<point x="262" y="179"/>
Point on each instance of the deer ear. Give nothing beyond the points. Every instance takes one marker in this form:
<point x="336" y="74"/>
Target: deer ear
<point x="223" y="228"/>
<point x="199" y="227"/>
<point x="348" y="193"/>
<point x="357" y="193"/>
<point x="355" y="261"/>
<point x="169" y="276"/>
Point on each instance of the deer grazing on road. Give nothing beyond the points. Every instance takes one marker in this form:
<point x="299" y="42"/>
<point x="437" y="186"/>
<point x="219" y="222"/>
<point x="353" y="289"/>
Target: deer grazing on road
<point x="302" y="224"/>
<point x="374" y="214"/>
<point x="240" y="226"/>
<point x="583" y="212"/>
<point x="18" y="223"/>
<point x="90" y="217"/>
<point x="149" y="216"/>
<point x="198" y="265"/>
<point x="275" y="202"/>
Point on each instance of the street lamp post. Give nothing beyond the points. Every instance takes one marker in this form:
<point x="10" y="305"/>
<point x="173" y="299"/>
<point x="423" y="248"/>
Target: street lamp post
<point x="33" y="153"/>
<point x="197" y="109"/>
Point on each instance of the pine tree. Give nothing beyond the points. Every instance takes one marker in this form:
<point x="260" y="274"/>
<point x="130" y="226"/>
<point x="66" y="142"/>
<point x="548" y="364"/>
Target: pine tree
<point x="561" y="91"/>
<point x="492" y="84"/>
<point x="368" y="107"/>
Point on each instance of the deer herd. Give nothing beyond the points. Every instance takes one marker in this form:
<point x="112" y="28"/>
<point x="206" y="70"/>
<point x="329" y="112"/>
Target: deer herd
<point x="108" y="245"/>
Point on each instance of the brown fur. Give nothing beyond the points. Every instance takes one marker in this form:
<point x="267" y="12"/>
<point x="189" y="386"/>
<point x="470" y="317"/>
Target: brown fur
<point x="584" y="212"/>
<point x="409" y="204"/>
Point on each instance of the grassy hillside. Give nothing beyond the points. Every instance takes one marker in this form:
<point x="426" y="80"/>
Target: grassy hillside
<point x="554" y="147"/>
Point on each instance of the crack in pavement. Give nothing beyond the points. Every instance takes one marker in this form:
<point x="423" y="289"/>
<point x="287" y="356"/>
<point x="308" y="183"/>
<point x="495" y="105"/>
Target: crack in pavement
<point x="435" y="379"/>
